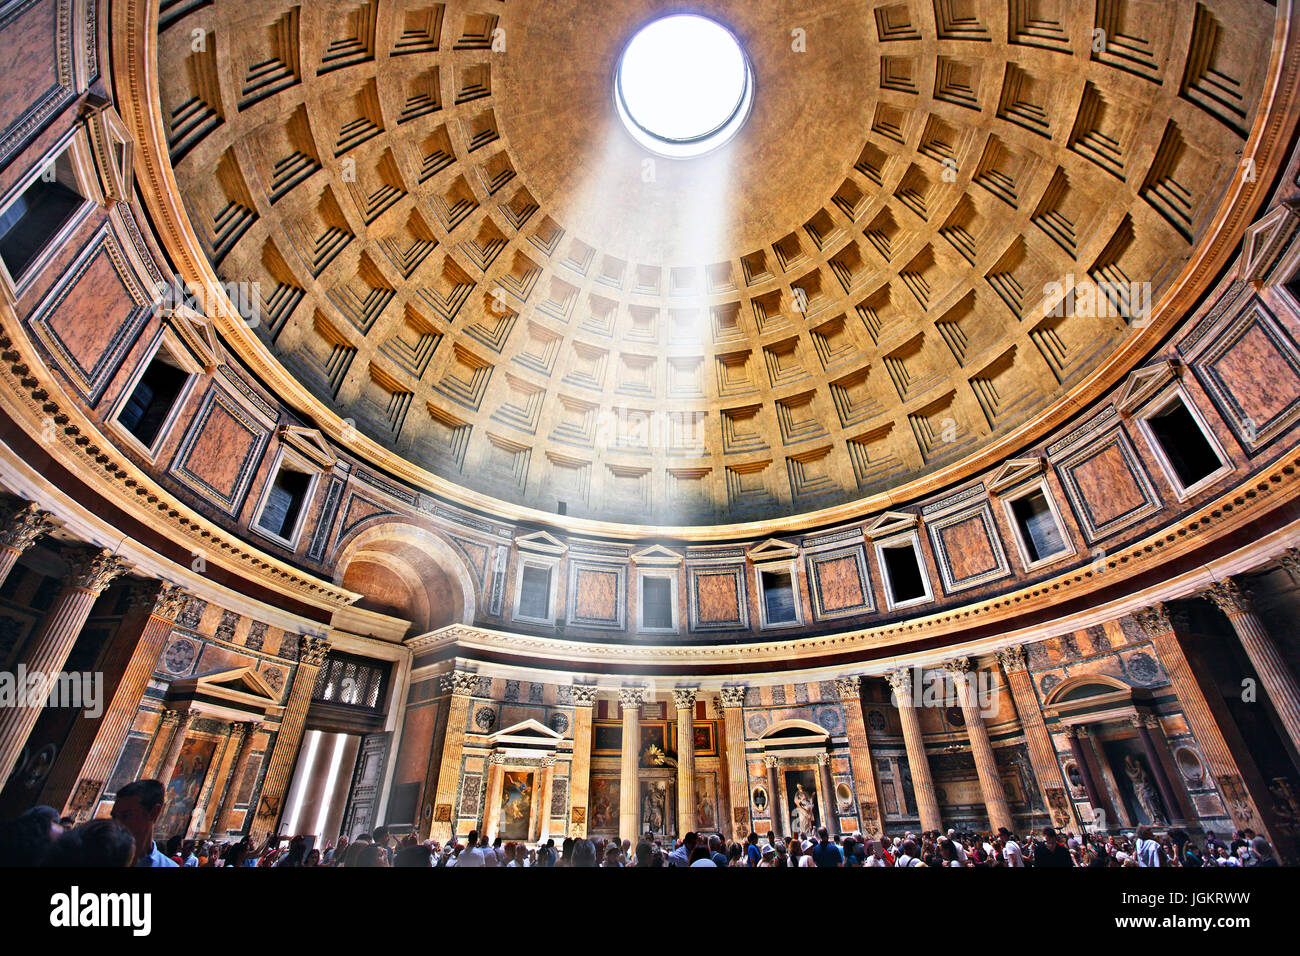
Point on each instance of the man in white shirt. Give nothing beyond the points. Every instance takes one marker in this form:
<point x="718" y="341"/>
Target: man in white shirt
<point x="956" y="845"/>
<point x="1148" y="850"/>
<point x="908" y="856"/>
<point x="471" y="855"/>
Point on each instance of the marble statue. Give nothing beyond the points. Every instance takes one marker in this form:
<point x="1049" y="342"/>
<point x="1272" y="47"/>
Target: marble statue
<point x="804" y="810"/>
<point x="1146" y="794"/>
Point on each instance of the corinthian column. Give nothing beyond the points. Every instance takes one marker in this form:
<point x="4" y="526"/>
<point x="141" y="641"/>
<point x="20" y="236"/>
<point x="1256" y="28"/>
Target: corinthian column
<point x="19" y="533"/>
<point x="986" y="764"/>
<point x="733" y="703"/>
<point x="584" y="699"/>
<point x="1278" y="679"/>
<point x="224" y="816"/>
<point x="44" y="656"/>
<point x="284" y="753"/>
<point x="775" y="799"/>
<point x="181" y="724"/>
<point x="492" y="798"/>
<point x="94" y="745"/>
<point x="927" y="802"/>
<point x="1077" y="734"/>
<point x="864" y="771"/>
<point x="461" y="686"/>
<point x="545" y="790"/>
<point x="1042" y="755"/>
<point x="629" y="803"/>
<point x="684" y="699"/>
<point x="1237" y="784"/>
<point x="1143" y="723"/>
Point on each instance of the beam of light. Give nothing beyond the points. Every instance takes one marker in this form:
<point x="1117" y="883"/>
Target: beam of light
<point x="301" y="781"/>
<point x="331" y="780"/>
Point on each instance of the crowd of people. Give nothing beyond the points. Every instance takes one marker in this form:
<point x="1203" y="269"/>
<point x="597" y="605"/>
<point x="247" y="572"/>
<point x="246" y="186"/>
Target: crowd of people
<point x="41" y="838"/>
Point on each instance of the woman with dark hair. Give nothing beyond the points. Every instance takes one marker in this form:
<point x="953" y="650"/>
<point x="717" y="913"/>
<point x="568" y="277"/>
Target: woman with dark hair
<point x="313" y="858"/>
<point x="372" y="854"/>
<point x="417" y="855"/>
<point x="566" y="853"/>
<point x="99" y="843"/>
<point x="643" y="854"/>
<point x="296" y="853"/>
<point x="584" y="853"/>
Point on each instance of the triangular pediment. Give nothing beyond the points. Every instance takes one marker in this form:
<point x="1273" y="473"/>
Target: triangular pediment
<point x="541" y="543"/>
<point x="1144" y="383"/>
<point x="310" y="443"/>
<point x="198" y="335"/>
<point x="657" y="554"/>
<point x="239" y="689"/>
<point x="525" y="737"/>
<point x="891" y="522"/>
<point x="1265" y="240"/>
<point x="1014" y="471"/>
<point x="773" y="549"/>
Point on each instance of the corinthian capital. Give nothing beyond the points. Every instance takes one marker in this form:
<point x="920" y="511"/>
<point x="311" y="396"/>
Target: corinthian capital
<point x="583" y="695"/>
<point x="631" y="697"/>
<point x="1013" y="658"/>
<point x="24" y="527"/>
<point x="1229" y="597"/>
<point x="901" y="682"/>
<point x="684" y="697"/>
<point x="460" y="683"/>
<point x="1154" y="620"/>
<point x="848" y="688"/>
<point x="93" y="571"/>
<point x="958" y="666"/>
<point x="313" y="650"/>
<point x="733" y="696"/>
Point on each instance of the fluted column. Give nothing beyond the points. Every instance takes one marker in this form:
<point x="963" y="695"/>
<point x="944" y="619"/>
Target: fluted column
<point x="774" y="798"/>
<point x="864" y="771"/>
<point x="201" y="818"/>
<point x="223" y="818"/>
<point x="461" y="686"/>
<point x="21" y="530"/>
<point x="163" y="732"/>
<point x="181" y="725"/>
<point x="1277" y="677"/>
<point x="927" y="802"/>
<point x="584" y="699"/>
<point x="284" y="753"/>
<point x="684" y="700"/>
<point x="1230" y="778"/>
<point x="544" y="791"/>
<point x="826" y="792"/>
<point x="1142" y="724"/>
<point x="1042" y="755"/>
<point x="94" y="745"/>
<point x="492" y="797"/>
<point x="1077" y="736"/>
<point x="45" y="654"/>
<point x="629" y="802"/>
<point x="986" y="765"/>
<point x="733" y="703"/>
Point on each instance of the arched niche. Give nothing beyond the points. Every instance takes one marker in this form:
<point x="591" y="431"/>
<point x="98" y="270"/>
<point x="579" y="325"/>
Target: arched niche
<point x="408" y="572"/>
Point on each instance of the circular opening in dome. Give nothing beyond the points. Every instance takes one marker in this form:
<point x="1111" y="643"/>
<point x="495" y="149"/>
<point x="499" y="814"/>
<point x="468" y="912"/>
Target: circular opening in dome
<point x="684" y="86"/>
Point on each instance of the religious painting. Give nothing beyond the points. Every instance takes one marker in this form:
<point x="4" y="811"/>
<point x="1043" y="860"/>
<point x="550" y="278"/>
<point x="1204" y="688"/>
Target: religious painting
<point x="657" y="800"/>
<point x="706" y="802"/>
<point x="706" y="740"/>
<point x="603" y="805"/>
<point x="801" y="794"/>
<point x="654" y="745"/>
<point x="607" y="739"/>
<point x="516" y="804"/>
<point x="183" y="788"/>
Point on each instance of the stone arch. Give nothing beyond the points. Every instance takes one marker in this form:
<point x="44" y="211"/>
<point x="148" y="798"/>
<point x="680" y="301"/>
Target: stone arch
<point x="1085" y="685"/>
<point x="793" y="726"/>
<point x="408" y="572"/>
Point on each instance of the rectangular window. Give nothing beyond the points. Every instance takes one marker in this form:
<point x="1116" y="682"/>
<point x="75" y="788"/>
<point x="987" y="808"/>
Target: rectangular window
<point x="152" y="399"/>
<point x="906" y="582"/>
<point x="31" y="222"/>
<point x="657" y="603"/>
<point x="284" y="503"/>
<point x="1039" y="532"/>
<point x="1185" y="447"/>
<point x="535" y="593"/>
<point x="778" y="597"/>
